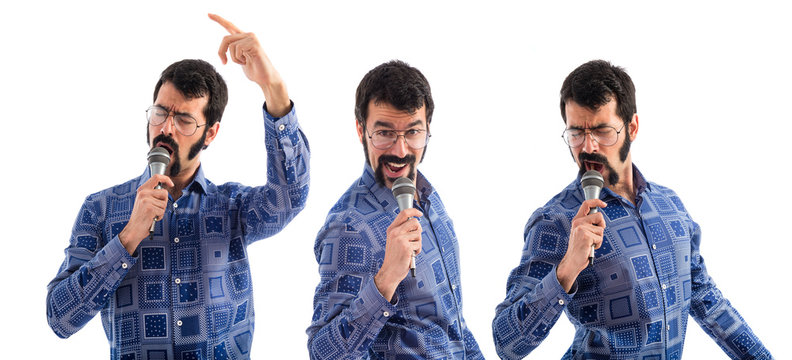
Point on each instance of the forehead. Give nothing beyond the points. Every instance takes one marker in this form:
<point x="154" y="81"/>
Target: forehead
<point x="171" y="98"/>
<point x="580" y="116"/>
<point x="384" y="115"/>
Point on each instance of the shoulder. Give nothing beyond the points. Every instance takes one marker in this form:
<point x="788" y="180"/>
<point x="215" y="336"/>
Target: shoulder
<point x="659" y="193"/>
<point x="559" y="210"/>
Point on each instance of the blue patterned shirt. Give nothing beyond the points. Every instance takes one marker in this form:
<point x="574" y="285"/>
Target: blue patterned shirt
<point x="351" y="319"/>
<point x="634" y="302"/>
<point x="185" y="294"/>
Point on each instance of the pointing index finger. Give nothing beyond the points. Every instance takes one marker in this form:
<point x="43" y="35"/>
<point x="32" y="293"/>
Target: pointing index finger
<point x="225" y="23"/>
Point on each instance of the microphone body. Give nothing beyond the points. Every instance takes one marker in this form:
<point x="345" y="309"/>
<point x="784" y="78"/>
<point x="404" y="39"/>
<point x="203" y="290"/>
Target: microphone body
<point x="404" y="191"/>
<point x="592" y="183"/>
<point x="158" y="159"/>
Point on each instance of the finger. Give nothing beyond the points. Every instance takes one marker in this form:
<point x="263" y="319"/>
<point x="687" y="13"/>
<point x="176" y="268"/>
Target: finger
<point x="595" y="219"/>
<point x="587" y="205"/>
<point x="225" y="23"/>
<point x="162" y="179"/>
<point x="417" y="246"/>
<point x="229" y="45"/>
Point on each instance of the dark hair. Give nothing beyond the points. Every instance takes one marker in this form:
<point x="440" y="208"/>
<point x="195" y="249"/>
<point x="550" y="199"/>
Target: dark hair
<point x="194" y="79"/>
<point x="597" y="82"/>
<point x="395" y="83"/>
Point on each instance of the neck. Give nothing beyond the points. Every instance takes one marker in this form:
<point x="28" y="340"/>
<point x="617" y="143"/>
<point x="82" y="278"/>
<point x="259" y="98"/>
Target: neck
<point x="626" y="185"/>
<point x="182" y="179"/>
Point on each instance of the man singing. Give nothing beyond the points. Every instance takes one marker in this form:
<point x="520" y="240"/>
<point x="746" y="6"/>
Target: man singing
<point x="366" y="305"/>
<point x="647" y="275"/>
<point x="185" y="291"/>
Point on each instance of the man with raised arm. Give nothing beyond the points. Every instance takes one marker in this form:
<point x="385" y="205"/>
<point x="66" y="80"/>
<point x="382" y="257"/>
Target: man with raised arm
<point x="184" y="291"/>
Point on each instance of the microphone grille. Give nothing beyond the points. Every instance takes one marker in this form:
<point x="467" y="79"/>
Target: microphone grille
<point x="159" y="155"/>
<point x="403" y="186"/>
<point x="592" y="177"/>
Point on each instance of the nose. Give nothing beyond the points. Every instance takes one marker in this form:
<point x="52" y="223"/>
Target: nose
<point x="400" y="148"/>
<point x="589" y="145"/>
<point x="167" y="126"/>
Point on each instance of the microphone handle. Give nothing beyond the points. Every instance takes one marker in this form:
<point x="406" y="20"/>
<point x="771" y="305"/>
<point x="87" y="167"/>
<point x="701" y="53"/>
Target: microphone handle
<point x="591" y="254"/>
<point x="154" y="222"/>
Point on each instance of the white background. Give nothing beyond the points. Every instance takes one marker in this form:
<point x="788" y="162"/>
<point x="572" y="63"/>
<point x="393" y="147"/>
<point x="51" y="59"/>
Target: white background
<point x="713" y="87"/>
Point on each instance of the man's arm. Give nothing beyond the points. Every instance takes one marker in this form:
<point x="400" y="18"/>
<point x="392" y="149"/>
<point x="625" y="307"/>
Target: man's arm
<point x="90" y="274"/>
<point x="715" y="314"/>
<point x="350" y="306"/>
<point x="537" y="290"/>
<point x="266" y="210"/>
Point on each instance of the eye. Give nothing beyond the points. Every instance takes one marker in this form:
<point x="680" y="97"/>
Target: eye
<point x="413" y="132"/>
<point x="184" y="120"/>
<point x="386" y="133"/>
<point x="602" y="131"/>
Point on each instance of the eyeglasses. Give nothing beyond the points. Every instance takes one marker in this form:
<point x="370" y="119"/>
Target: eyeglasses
<point x="604" y="135"/>
<point x="384" y="139"/>
<point x="185" y="124"/>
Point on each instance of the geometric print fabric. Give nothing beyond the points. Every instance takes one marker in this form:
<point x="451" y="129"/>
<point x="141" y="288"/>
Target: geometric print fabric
<point x="186" y="293"/>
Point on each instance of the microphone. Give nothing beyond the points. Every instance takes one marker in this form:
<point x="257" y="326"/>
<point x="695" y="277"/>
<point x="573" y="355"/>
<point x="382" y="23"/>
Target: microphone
<point x="404" y="191"/>
<point x="592" y="183"/>
<point x="158" y="159"/>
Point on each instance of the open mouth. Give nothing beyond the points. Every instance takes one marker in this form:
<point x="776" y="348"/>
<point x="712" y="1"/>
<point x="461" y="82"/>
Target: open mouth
<point x="395" y="169"/>
<point x="164" y="146"/>
<point x="593" y="165"/>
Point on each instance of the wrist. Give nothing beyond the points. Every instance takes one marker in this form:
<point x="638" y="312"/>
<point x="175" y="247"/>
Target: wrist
<point x="565" y="276"/>
<point x="386" y="288"/>
<point x="277" y="98"/>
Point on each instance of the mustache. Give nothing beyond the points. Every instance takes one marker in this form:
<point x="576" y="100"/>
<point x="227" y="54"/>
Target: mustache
<point x="409" y="159"/>
<point x="165" y="139"/>
<point x="593" y="157"/>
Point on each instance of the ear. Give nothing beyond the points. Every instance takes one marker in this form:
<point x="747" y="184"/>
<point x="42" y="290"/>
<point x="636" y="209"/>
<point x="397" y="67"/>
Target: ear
<point x="211" y="133"/>
<point x="633" y="131"/>
<point x="360" y="130"/>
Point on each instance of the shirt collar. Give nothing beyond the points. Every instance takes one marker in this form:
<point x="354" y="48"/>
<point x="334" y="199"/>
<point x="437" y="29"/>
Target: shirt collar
<point x="199" y="183"/>
<point x="384" y="195"/>
<point x="641" y="185"/>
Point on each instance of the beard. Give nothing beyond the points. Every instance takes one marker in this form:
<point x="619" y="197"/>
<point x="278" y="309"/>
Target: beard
<point x="175" y="163"/>
<point x="613" y="177"/>
<point x="379" y="173"/>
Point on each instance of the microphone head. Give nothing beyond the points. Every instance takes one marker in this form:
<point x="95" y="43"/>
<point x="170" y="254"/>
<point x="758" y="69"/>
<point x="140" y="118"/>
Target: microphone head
<point x="403" y="186"/>
<point x="592" y="178"/>
<point x="404" y="191"/>
<point x="158" y="159"/>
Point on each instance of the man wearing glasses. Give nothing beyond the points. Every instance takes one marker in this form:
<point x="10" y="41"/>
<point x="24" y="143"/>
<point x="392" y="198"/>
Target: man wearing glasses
<point x="183" y="291"/>
<point x="647" y="275"/>
<point x="366" y="305"/>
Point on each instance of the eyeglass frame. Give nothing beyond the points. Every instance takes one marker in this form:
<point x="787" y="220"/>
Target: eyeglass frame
<point x="173" y="114"/>
<point x="399" y="133"/>
<point x="587" y="131"/>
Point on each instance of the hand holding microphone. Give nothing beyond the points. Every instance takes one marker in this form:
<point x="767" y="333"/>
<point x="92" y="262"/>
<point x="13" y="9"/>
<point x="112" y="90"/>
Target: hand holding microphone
<point x="158" y="159"/>
<point x="402" y="242"/>
<point x="592" y="183"/>
<point x="150" y="202"/>
<point x="404" y="191"/>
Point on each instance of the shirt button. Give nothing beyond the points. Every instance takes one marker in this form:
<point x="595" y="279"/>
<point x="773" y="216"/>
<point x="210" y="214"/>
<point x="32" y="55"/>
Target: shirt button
<point x="654" y="246"/>
<point x="453" y="287"/>
<point x="281" y="127"/>
<point x="664" y="286"/>
<point x="175" y="205"/>
<point x="385" y="314"/>
<point x="178" y="281"/>
<point x="560" y="301"/>
<point x="124" y="265"/>
<point x="668" y="327"/>
<point x="179" y="323"/>
<point x="176" y="240"/>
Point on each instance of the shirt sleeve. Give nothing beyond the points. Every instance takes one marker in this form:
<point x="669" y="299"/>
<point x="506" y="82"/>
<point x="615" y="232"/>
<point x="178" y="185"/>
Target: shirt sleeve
<point x="89" y="275"/>
<point x="266" y="210"/>
<point x="715" y="314"/>
<point x="534" y="297"/>
<point x="349" y="311"/>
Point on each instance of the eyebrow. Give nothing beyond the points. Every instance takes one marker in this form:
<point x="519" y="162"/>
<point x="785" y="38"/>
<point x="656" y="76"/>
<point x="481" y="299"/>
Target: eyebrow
<point x="600" y="126"/>
<point x="174" y="112"/>
<point x="389" y="126"/>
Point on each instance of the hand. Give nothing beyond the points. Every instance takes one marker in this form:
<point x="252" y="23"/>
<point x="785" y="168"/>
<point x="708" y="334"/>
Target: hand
<point x="403" y="239"/>
<point x="245" y="50"/>
<point x="149" y="203"/>
<point x="587" y="230"/>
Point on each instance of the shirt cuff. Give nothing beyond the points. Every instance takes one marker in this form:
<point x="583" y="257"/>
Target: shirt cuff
<point x="553" y="290"/>
<point x="118" y="257"/>
<point x="375" y="304"/>
<point x="269" y="116"/>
